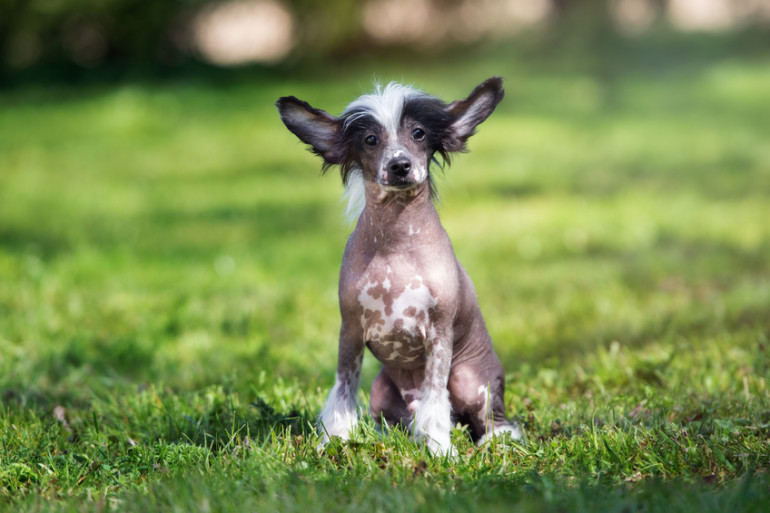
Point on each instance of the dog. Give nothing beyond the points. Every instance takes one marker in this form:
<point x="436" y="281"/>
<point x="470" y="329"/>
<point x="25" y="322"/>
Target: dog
<point x="402" y="292"/>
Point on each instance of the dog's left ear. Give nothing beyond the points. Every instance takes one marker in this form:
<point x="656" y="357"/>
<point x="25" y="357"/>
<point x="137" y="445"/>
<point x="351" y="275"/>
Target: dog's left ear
<point x="470" y="112"/>
<point x="313" y="126"/>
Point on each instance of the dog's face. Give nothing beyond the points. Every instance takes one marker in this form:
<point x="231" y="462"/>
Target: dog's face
<point x="391" y="136"/>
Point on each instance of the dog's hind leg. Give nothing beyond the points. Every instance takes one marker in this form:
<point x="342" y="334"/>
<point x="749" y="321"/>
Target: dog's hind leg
<point x="386" y="402"/>
<point x="496" y="422"/>
<point x="477" y="398"/>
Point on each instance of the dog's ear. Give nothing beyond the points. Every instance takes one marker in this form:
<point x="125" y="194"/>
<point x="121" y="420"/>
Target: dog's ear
<point x="470" y="112"/>
<point x="313" y="126"/>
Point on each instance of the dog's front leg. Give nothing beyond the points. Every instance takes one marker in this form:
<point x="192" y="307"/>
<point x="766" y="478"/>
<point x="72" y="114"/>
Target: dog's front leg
<point x="432" y="418"/>
<point x="339" y="415"/>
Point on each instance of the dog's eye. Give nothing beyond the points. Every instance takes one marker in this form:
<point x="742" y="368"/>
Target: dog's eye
<point x="371" y="141"/>
<point x="418" y="134"/>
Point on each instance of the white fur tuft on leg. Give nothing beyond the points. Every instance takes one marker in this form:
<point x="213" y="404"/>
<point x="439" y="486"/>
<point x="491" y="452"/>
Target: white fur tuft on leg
<point x="432" y="422"/>
<point x="339" y="416"/>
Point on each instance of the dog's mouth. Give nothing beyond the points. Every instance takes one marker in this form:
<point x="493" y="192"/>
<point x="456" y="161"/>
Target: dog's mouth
<point x="399" y="185"/>
<point x="403" y="183"/>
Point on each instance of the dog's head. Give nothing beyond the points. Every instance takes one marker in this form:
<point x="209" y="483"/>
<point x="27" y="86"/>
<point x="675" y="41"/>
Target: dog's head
<point x="392" y="135"/>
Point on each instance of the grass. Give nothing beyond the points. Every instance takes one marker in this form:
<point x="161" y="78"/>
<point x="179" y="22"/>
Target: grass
<point x="168" y="262"/>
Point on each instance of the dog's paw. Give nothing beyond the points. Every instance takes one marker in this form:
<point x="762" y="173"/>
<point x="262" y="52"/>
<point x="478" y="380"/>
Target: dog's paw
<point x="337" y="422"/>
<point x="438" y="443"/>
<point x="329" y="443"/>
<point x="502" y="434"/>
<point x="327" y="436"/>
<point x="443" y="448"/>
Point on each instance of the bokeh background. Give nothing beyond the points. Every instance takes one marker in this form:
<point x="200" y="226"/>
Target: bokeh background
<point x="63" y="37"/>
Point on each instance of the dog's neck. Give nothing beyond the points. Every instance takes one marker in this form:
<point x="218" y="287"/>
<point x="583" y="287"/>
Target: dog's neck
<point x="392" y="219"/>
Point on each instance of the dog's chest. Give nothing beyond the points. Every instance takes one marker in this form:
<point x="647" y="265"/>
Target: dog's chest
<point x="396" y="311"/>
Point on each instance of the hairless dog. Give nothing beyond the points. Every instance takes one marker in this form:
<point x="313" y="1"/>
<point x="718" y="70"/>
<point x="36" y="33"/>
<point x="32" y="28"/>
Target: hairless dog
<point x="402" y="292"/>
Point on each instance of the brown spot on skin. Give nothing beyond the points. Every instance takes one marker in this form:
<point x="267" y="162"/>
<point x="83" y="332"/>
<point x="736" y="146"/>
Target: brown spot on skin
<point x="375" y="316"/>
<point x="388" y="295"/>
<point x="411" y="311"/>
<point x="376" y="291"/>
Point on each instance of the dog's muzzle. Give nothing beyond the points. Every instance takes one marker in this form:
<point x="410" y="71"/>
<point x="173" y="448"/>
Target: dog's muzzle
<point x="398" y="173"/>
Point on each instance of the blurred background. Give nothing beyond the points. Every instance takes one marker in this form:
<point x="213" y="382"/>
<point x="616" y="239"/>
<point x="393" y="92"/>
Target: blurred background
<point x="63" y="37"/>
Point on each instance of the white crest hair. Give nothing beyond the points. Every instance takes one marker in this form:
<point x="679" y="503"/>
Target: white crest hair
<point x="385" y="105"/>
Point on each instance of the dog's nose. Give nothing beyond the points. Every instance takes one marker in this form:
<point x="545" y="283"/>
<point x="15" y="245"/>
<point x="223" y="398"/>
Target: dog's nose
<point x="400" y="166"/>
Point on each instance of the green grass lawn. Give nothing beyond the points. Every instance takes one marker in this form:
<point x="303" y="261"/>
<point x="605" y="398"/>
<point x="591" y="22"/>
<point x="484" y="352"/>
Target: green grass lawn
<point x="168" y="313"/>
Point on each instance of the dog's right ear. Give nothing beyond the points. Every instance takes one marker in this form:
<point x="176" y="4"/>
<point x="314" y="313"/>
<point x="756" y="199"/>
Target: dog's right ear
<point x="471" y="111"/>
<point x="313" y="126"/>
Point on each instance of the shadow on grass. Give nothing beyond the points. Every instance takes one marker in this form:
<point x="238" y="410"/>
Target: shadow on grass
<point x="164" y="232"/>
<point x="222" y="426"/>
